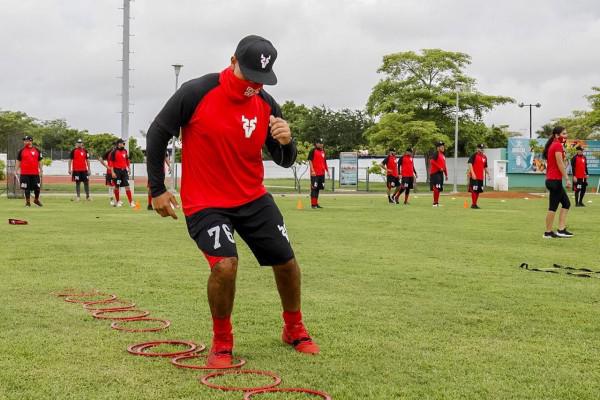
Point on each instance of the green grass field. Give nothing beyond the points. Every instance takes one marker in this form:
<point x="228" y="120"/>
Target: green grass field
<point x="407" y="302"/>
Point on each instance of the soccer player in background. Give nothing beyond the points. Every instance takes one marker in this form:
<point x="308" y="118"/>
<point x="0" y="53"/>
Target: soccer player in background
<point x="119" y="162"/>
<point x="478" y="169"/>
<point x="28" y="169"/>
<point x="437" y="171"/>
<point x="390" y="164"/>
<point x="318" y="167"/>
<point x="168" y="170"/>
<point x="79" y="169"/>
<point x="105" y="161"/>
<point x="226" y="119"/>
<point x="556" y="170"/>
<point x="579" y="169"/>
<point x="406" y="163"/>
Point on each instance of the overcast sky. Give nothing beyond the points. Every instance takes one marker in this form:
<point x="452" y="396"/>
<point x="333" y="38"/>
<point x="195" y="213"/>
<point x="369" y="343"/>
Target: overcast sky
<point x="59" y="58"/>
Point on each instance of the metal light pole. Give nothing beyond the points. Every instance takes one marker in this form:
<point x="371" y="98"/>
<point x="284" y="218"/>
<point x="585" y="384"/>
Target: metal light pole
<point x="125" y="75"/>
<point x="455" y="189"/>
<point x="537" y="105"/>
<point x="177" y="68"/>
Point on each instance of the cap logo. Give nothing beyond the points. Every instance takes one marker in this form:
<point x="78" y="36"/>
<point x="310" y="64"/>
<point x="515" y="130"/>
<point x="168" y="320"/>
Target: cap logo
<point x="249" y="125"/>
<point x="264" y="61"/>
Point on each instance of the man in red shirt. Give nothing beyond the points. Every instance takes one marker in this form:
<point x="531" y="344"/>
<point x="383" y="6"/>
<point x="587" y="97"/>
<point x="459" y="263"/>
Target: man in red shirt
<point x="79" y="169"/>
<point x="579" y="169"/>
<point x="478" y="169"/>
<point x="318" y="167"/>
<point x="119" y="163"/>
<point x="556" y="170"/>
<point x="109" y="182"/>
<point x="28" y="169"/>
<point x="408" y="172"/>
<point x="226" y="119"/>
<point x="437" y="171"/>
<point x="390" y="164"/>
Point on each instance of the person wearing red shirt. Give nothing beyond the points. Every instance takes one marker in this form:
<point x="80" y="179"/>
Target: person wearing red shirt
<point x="390" y="164"/>
<point x="105" y="161"/>
<point x="318" y="167"/>
<point x="478" y="170"/>
<point x="437" y="171"/>
<point x="579" y="169"/>
<point x="119" y="163"/>
<point x="28" y="169"/>
<point x="226" y="119"/>
<point x="406" y="163"/>
<point x="556" y="170"/>
<point x="79" y="169"/>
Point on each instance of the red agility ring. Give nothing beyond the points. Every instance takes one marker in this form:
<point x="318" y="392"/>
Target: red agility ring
<point x="138" y="349"/>
<point x="276" y="380"/>
<point x="100" y="314"/>
<point x="176" y="362"/>
<point x="250" y="395"/>
<point x="111" y="305"/>
<point x="117" y="324"/>
<point x="72" y="293"/>
<point x="81" y="298"/>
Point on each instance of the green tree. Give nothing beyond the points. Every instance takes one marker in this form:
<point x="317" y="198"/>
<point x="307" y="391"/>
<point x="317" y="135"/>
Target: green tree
<point x="13" y="123"/>
<point x="423" y="86"/>
<point x="136" y="155"/>
<point x="581" y="124"/>
<point x="99" y="144"/>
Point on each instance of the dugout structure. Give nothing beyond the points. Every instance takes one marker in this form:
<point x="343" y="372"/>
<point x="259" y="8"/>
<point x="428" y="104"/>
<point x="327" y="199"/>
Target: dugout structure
<point x="13" y="189"/>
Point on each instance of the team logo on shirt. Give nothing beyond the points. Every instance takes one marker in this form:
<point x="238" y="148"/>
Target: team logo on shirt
<point x="33" y="153"/>
<point x="251" y="91"/>
<point x="264" y="61"/>
<point x="249" y="125"/>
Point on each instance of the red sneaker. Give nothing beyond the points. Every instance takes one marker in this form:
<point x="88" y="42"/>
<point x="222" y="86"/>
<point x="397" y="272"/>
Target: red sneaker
<point x="220" y="355"/>
<point x="298" y="337"/>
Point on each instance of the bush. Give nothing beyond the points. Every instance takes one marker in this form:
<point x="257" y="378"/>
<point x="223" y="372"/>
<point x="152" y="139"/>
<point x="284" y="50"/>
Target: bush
<point x="2" y="167"/>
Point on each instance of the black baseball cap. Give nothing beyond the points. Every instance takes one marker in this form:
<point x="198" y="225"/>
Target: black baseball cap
<point x="480" y="146"/>
<point x="439" y="143"/>
<point x="120" y="141"/>
<point x="392" y="149"/>
<point x="579" y="147"/>
<point x="256" y="56"/>
<point x="409" y="149"/>
<point x="319" y="141"/>
<point x="27" y="137"/>
<point x="79" y="141"/>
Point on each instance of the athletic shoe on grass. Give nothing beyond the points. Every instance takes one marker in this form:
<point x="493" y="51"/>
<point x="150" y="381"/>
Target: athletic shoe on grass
<point x="220" y="355"/>
<point x="564" y="233"/>
<point x="298" y="337"/>
<point x="549" y="235"/>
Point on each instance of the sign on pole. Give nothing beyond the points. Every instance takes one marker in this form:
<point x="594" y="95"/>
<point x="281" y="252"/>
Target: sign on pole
<point x="349" y="169"/>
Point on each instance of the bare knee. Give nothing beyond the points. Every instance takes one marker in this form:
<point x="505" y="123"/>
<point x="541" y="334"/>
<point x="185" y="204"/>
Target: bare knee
<point x="225" y="269"/>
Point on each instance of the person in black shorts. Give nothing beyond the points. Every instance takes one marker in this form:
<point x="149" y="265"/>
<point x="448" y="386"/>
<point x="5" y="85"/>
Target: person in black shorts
<point x="556" y="170"/>
<point x="226" y="119"/>
<point x="28" y="169"/>
<point x="108" y="181"/>
<point x="79" y="169"/>
<point x="579" y="170"/>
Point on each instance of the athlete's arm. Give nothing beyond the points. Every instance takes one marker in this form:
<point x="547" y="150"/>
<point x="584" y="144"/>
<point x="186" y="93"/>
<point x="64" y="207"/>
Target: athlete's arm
<point x="560" y="162"/>
<point x="70" y="161"/>
<point x="18" y="168"/>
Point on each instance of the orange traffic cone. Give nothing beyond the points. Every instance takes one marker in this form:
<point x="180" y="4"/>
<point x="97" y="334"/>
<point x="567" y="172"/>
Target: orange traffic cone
<point x="299" y="205"/>
<point x="137" y="206"/>
<point x="466" y="204"/>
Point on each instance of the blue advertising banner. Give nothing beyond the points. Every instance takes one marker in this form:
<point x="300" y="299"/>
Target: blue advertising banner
<point x="522" y="159"/>
<point x="348" y="168"/>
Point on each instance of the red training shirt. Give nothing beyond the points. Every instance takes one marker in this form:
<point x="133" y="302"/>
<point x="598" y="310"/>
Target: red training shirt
<point x="407" y="165"/>
<point x="119" y="159"/>
<point x="437" y="163"/>
<point x="579" y="166"/>
<point x="30" y="160"/>
<point x="319" y="163"/>
<point x="79" y="157"/>
<point x="552" y="171"/>
<point x="106" y="157"/>
<point x="479" y="163"/>
<point x="391" y="165"/>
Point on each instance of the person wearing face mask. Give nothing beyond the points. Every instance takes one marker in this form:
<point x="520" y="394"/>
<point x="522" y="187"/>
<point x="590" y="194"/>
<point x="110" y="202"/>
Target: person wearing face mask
<point x="226" y="119"/>
<point x="556" y="170"/>
<point x="29" y="170"/>
<point x="579" y="169"/>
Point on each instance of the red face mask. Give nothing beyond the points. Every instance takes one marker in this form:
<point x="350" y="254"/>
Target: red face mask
<point x="238" y="89"/>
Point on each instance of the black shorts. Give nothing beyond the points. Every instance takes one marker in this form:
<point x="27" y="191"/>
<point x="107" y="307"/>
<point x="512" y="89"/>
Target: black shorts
<point x="393" y="181"/>
<point x="475" y="185"/>
<point x="122" y="179"/>
<point x="259" y="223"/>
<point x="29" y="182"/>
<point x="558" y="195"/>
<point x="436" y="181"/>
<point x="108" y="180"/>
<point x="317" y="182"/>
<point x="407" y="182"/>
<point x="580" y="184"/>
<point x="79" y="176"/>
